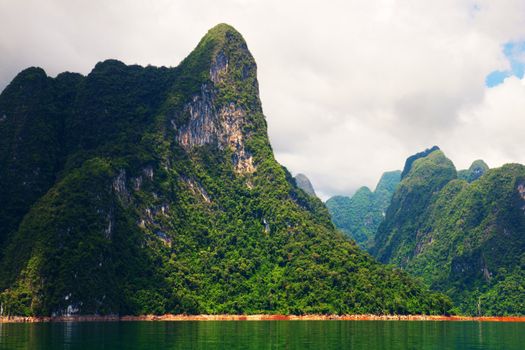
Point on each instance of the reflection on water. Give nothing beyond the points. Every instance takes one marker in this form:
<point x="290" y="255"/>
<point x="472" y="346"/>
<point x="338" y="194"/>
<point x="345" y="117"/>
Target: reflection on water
<point x="264" y="335"/>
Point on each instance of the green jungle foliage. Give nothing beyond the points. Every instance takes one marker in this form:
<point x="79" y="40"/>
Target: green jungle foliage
<point x="464" y="239"/>
<point x="107" y="207"/>
<point x="359" y="216"/>
<point x="410" y="160"/>
<point x="395" y="238"/>
<point x="474" y="172"/>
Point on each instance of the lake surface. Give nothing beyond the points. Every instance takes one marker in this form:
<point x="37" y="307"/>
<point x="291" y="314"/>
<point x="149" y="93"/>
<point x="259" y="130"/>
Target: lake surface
<point x="264" y="335"/>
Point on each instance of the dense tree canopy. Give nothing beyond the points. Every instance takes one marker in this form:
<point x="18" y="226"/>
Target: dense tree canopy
<point x="465" y="239"/>
<point x="151" y="190"/>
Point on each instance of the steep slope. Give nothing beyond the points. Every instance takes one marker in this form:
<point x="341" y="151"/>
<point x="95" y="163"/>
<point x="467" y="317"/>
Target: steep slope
<point x="31" y="122"/>
<point x="161" y="194"/>
<point x="410" y="160"/>
<point x="474" y="172"/>
<point x="473" y="243"/>
<point x="467" y="240"/>
<point x="359" y="216"/>
<point x="303" y="182"/>
<point x="385" y="189"/>
<point x="425" y="174"/>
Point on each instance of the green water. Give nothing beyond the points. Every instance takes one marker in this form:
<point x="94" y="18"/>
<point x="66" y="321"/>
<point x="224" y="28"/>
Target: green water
<point x="264" y="335"/>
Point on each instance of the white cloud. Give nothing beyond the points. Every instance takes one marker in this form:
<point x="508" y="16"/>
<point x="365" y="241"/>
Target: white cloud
<point x="349" y="88"/>
<point x="493" y="129"/>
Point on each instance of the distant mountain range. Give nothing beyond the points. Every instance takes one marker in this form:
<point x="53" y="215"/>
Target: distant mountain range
<point x="359" y="216"/>
<point x="461" y="232"/>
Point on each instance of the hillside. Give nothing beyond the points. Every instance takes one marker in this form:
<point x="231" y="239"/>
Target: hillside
<point x="359" y="216"/>
<point x="465" y="239"/>
<point x="137" y="190"/>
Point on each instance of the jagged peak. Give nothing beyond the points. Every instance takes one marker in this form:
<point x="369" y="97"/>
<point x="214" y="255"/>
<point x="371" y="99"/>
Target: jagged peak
<point x="434" y="165"/>
<point x="220" y="96"/>
<point x="221" y="55"/>
<point x="410" y="160"/>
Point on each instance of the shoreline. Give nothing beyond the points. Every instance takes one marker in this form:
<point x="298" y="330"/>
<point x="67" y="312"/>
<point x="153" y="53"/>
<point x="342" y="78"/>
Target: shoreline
<point x="261" y="317"/>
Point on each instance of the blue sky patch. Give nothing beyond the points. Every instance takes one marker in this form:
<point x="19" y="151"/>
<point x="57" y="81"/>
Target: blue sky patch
<point x="515" y="53"/>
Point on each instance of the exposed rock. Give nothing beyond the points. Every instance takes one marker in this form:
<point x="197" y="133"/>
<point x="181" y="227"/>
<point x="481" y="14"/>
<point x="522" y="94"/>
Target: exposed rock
<point x="163" y="237"/>
<point x="197" y="189"/>
<point x="219" y="67"/>
<point x="202" y="126"/>
<point x="137" y="183"/>
<point x="205" y="121"/>
<point x="223" y="128"/>
<point x="119" y="186"/>
<point x="71" y="310"/>
<point x="148" y="172"/>
<point x="266" y="226"/>
<point x="521" y="191"/>
<point x="108" y="232"/>
<point x="232" y="119"/>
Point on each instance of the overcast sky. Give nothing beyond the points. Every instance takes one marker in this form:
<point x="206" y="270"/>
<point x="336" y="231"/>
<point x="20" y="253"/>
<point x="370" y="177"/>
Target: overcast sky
<point x="349" y="88"/>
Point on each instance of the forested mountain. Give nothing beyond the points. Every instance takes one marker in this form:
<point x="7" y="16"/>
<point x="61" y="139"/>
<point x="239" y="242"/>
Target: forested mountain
<point x="359" y="216"/>
<point x="465" y="238"/>
<point x="139" y="190"/>
<point x="424" y="175"/>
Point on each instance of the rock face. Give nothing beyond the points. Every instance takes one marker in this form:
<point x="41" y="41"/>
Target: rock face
<point x="152" y="190"/>
<point x="466" y="239"/>
<point x="304" y="184"/>
<point x="359" y="216"/>
<point x="221" y="128"/>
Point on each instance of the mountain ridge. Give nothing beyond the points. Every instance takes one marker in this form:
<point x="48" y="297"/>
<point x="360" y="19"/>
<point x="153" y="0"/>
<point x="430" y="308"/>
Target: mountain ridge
<point x="360" y="215"/>
<point x="466" y="239"/>
<point x="160" y="194"/>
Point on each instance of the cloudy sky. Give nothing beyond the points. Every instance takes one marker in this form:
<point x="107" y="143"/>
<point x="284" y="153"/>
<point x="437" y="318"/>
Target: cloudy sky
<point x="349" y="88"/>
